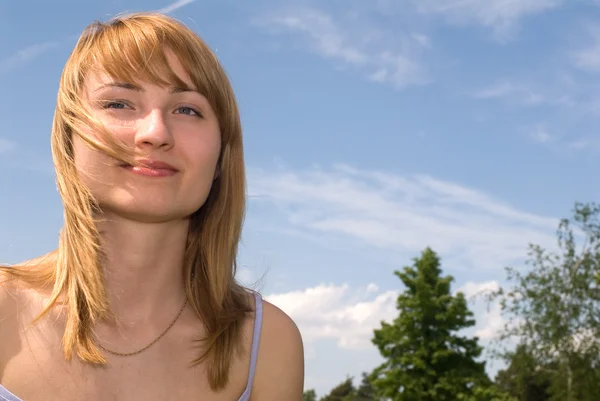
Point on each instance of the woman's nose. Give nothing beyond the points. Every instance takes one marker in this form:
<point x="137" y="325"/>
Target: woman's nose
<point x="154" y="132"/>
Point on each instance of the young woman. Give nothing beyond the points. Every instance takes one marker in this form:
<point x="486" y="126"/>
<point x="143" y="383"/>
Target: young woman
<point x="139" y="301"/>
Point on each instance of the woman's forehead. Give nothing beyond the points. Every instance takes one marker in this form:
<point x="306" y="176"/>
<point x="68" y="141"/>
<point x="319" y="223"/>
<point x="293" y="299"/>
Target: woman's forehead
<point x="173" y="74"/>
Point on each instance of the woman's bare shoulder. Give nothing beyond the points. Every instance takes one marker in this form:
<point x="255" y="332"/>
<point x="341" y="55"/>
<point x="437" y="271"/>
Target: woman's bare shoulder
<point x="16" y="292"/>
<point x="10" y="295"/>
<point x="8" y="290"/>
<point x="280" y="364"/>
<point x="13" y="296"/>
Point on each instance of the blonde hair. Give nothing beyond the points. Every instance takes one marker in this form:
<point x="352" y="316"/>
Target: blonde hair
<point x="128" y="48"/>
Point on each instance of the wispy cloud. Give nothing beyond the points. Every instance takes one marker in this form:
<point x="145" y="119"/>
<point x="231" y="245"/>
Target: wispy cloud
<point x="567" y="98"/>
<point x="500" y="15"/>
<point x="7" y="146"/>
<point x="404" y="213"/>
<point x="506" y="89"/>
<point x="554" y="91"/>
<point x="29" y="53"/>
<point x="175" y="6"/>
<point x="586" y="143"/>
<point x="26" y="54"/>
<point x="369" y="50"/>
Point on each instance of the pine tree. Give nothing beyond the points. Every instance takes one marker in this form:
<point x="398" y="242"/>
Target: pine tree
<point x="425" y="358"/>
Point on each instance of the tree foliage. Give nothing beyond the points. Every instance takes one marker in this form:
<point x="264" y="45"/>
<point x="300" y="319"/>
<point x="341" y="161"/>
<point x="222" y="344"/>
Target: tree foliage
<point x="487" y="393"/>
<point x="365" y="391"/>
<point x="309" y="395"/>
<point x="524" y="378"/>
<point x="554" y="307"/>
<point x="425" y="357"/>
<point x="344" y="391"/>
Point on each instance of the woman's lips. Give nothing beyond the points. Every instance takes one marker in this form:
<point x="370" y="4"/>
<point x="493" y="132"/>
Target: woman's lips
<point x="152" y="168"/>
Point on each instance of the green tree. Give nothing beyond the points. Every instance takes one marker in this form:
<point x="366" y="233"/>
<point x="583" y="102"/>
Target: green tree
<point x="487" y="393"/>
<point x="425" y="357"/>
<point x="554" y="307"/>
<point x="344" y="391"/>
<point x="365" y="391"/>
<point x="309" y="395"/>
<point x="525" y="378"/>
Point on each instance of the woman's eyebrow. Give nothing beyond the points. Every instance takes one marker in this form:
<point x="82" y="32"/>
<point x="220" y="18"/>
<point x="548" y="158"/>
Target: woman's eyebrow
<point x="183" y="89"/>
<point x="124" y="85"/>
<point x="137" y="88"/>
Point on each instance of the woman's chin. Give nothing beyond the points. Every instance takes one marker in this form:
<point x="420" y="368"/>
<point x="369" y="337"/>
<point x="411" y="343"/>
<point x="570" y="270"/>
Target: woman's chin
<point x="149" y="206"/>
<point x="150" y="212"/>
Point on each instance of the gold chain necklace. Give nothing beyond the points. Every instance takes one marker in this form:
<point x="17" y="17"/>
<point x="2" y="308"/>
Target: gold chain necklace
<point x="147" y="346"/>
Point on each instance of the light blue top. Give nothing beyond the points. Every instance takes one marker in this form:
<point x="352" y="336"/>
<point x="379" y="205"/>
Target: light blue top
<point x="6" y="395"/>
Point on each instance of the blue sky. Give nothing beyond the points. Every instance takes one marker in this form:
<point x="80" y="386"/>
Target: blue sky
<point x="372" y="130"/>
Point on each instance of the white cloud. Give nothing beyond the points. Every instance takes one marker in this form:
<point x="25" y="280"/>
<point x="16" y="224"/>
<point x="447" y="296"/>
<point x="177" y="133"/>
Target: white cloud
<point x="338" y="312"/>
<point x="349" y="315"/>
<point x="588" y="57"/>
<point x="175" y="6"/>
<point x="7" y="146"/>
<point x="503" y="16"/>
<point x="475" y="290"/>
<point x="403" y="213"/>
<point x="489" y="318"/>
<point x="26" y="54"/>
<point x="245" y="275"/>
<point x="539" y="134"/>
<point x="393" y="59"/>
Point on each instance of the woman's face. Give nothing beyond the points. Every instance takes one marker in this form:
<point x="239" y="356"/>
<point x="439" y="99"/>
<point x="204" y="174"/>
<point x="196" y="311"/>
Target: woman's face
<point x="173" y="129"/>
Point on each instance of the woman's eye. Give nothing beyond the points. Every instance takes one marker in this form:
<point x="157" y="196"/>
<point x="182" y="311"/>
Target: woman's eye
<point x="188" y="111"/>
<point x="114" y="105"/>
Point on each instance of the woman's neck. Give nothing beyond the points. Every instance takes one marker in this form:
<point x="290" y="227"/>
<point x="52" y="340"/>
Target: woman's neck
<point x="143" y="267"/>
